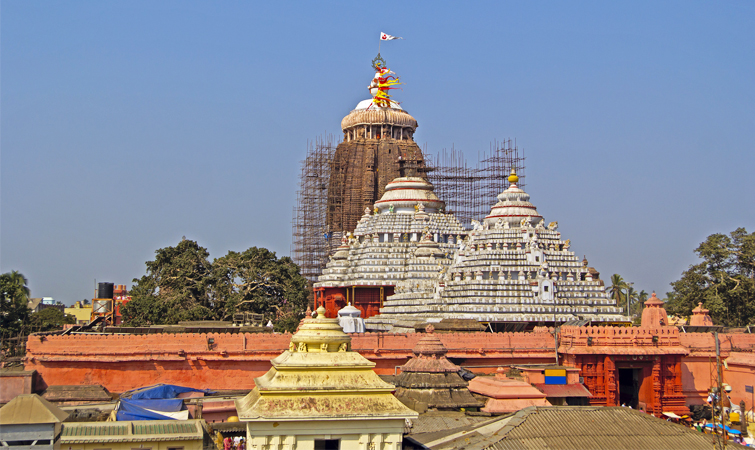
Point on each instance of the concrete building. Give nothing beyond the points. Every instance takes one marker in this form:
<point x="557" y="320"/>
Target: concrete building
<point x="82" y="313"/>
<point x="320" y="394"/>
<point x="637" y="366"/>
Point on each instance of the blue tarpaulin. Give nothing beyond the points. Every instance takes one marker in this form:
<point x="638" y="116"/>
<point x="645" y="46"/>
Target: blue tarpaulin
<point x="136" y="404"/>
<point x="159" y="391"/>
<point x="164" y="404"/>
<point x="129" y="411"/>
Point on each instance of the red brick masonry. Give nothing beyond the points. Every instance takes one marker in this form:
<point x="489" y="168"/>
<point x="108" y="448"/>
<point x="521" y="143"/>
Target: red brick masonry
<point x="677" y="363"/>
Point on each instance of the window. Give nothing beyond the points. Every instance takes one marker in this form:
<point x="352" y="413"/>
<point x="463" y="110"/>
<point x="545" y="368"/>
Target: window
<point x="327" y="444"/>
<point x="545" y="289"/>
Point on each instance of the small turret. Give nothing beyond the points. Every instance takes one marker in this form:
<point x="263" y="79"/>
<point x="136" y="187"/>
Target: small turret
<point x="654" y="315"/>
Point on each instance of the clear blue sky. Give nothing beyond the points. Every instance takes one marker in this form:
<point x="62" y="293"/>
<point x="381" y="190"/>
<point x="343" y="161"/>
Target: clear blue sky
<point x="127" y="125"/>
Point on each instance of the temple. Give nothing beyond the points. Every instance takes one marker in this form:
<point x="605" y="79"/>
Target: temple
<point x="376" y="135"/>
<point x="319" y="393"/>
<point x="430" y="380"/>
<point x="407" y="264"/>
<point x="511" y="272"/>
<point x="406" y="237"/>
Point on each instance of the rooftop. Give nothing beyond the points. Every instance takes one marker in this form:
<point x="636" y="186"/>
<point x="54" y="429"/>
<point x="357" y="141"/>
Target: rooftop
<point x="568" y="427"/>
<point x="131" y="431"/>
<point x="30" y="408"/>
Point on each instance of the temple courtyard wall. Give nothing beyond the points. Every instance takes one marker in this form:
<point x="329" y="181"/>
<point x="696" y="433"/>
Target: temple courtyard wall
<point x="225" y="361"/>
<point x="232" y="361"/>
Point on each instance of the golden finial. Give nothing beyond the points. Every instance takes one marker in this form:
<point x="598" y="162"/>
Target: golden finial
<point x="513" y="178"/>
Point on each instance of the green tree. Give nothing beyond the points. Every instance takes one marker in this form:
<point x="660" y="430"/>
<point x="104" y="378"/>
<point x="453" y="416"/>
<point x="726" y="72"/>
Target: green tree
<point x="723" y="282"/>
<point x="639" y="303"/>
<point x="257" y="281"/>
<point x="14" y="296"/>
<point x="17" y="278"/>
<point x="175" y="287"/>
<point x="50" y="319"/>
<point x="181" y="284"/>
<point x="617" y="290"/>
<point x="632" y="295"/>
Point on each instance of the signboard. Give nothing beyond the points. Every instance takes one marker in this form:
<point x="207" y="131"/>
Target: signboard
<point x="555" y="376"/>
<point x="748" y="389"/>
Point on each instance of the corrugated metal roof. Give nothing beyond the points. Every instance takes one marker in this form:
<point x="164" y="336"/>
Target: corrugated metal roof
<point x="157" y="427"/>
<point x="438" y="421"/>
<point x="587" y="428"/>
<point x="571" y="428"/>
<point x="88" y="429"/>
<point x="131" y="431"/>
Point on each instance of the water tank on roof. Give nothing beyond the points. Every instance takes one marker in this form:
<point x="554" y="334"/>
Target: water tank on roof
<point x="104" y="290"/>
<point x="101" y="306"/>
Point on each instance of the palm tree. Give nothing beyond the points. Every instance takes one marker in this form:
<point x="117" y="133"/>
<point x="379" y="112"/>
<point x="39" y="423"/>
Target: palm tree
<point x="617" y="288"/>
<point x="642" y="297"/>
<point x="632" y="295"/>
<point x="18" y="279"/>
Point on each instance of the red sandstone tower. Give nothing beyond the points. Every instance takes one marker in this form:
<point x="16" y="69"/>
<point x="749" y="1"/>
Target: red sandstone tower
<point x="376" y="135"/>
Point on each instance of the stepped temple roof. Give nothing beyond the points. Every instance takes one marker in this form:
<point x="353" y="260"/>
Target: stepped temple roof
<point x="429" y="380"/>
<point x="513" y="205"/>
<point x="511" y="268"/>
<point x="320" y="378"/>
<point x="406" y="236"/>
<point x="405" y="194"/>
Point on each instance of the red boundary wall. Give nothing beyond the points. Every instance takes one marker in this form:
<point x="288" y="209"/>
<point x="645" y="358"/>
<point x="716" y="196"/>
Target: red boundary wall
<point x="232" y="361"/>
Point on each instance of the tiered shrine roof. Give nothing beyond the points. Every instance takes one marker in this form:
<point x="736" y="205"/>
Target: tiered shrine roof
<point x="406" y="237"/>
<point x="512" y="268"/>
<point x="320" y="378"/>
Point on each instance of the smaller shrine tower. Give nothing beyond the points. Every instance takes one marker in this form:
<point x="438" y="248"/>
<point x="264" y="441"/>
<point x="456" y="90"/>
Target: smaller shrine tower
<point x="322" y="394"/>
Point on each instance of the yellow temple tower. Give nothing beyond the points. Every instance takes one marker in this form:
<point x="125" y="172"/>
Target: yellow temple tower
<point x="320" y="394"/>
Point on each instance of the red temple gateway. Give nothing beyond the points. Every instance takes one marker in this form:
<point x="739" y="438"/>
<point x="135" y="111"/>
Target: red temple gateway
<point x="634" y="366"/>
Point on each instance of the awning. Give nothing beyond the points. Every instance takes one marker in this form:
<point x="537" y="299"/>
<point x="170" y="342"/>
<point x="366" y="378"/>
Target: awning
<point x="672" y="415"/>
<point x="563" y="390"/>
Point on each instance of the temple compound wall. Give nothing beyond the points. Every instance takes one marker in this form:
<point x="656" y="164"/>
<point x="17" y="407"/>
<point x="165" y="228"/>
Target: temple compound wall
<point x="667" y="369"/>
<point x="232" y="361"/>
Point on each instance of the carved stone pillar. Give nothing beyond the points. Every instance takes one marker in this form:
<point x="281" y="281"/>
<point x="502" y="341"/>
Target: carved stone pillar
<point x="657" y="406"/>
<point x="611" y="388"/>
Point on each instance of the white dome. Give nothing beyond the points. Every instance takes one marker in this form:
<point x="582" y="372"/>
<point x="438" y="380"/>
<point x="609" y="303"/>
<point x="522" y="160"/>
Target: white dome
<point x="364" y="104"/>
